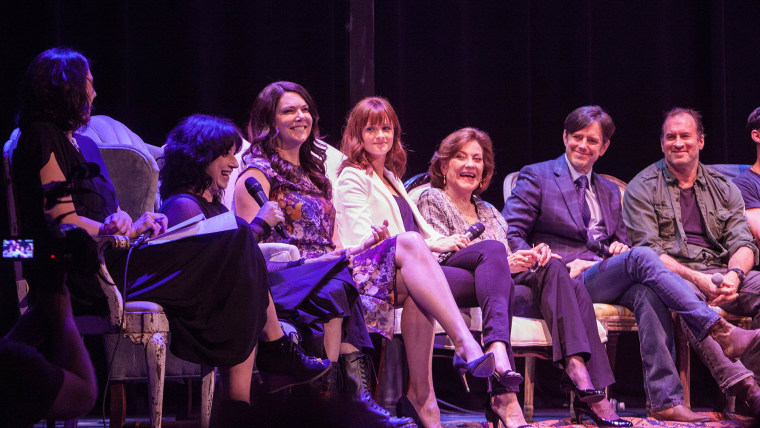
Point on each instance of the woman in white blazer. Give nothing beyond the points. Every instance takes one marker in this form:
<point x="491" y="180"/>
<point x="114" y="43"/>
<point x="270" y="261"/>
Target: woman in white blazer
<point x="369" y="191"/>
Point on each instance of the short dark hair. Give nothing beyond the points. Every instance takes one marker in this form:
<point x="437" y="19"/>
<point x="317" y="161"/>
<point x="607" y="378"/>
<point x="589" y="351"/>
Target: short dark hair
<point x="190" y="148"/>
<point x="585" y="116"/>
<point x="54" y="89"/>
<point x="451" y="145"/>
<point x="753" y="121"/>
<point x="675" y="111"/>
<point x="262" y="133"/>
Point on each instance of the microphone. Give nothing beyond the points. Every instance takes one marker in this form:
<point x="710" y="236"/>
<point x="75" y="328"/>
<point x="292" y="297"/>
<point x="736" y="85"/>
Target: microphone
<point x="257" y="192"/>
<point x="472" y="232"/>
<point x="717" y="279"/>
<point x="599" y="248"/>
<point x="142" y="238"/>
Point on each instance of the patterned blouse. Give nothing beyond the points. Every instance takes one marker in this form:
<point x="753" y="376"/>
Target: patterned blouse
<point x="439" y="211"/>
<point x="309" y="217"/>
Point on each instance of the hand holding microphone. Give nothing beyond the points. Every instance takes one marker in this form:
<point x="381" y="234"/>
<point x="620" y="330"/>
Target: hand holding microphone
<point x="599" y="248"/>
<point x="257" y="192"/>
<point x="473" y="232"/>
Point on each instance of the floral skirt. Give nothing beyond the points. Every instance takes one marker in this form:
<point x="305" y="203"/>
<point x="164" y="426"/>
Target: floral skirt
<point x="374" y="272"/>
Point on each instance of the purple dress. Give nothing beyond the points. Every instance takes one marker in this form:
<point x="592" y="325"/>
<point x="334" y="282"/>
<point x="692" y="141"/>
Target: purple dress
<point x="310" y="222"/>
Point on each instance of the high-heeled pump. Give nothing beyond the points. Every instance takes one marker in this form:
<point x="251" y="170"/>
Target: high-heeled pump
<point x="585" y="395"/>
<point x="405" y="408"/>
<point x="496" y="421"/>
<point x="582" y="408"/>
<point x="508" y="378"/>
<point x="480" y="367"/>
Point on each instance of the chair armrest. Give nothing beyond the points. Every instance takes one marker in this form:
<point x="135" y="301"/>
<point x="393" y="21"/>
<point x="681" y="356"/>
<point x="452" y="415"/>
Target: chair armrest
<point x="277" y="252"/>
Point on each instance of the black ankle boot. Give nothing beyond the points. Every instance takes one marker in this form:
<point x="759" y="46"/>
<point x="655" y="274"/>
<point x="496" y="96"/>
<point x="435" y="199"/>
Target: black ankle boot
<point x="331" y="382"/>
<point x="283" y="364"/>
<point x="356" y="371"/>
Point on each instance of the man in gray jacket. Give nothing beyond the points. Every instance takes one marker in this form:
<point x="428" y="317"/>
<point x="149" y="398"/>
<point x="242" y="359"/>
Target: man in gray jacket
<point x="693" y="217"/>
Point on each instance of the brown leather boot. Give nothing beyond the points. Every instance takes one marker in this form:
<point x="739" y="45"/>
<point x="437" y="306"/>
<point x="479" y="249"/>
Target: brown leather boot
<point x="748" y="398"/>
<point x="735" y="341"/>
<point x="679" y="413"/>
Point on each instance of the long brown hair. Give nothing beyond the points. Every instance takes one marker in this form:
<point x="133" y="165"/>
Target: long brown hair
<point x="263" y="135"/>
<point x="372" y="110"/>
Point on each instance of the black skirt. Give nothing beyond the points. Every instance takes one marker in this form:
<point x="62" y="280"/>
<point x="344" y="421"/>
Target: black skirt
<point x="309" y="296"/>
<point x="213" y="289"/>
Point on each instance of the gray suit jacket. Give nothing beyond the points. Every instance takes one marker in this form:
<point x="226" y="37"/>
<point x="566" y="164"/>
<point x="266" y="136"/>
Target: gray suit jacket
<point x="544" y="208"/>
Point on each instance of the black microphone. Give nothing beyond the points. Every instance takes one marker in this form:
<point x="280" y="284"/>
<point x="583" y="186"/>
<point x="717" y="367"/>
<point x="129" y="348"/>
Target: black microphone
<point x="473" y="232"/>
<point x="599" y="248"/>
<point x="717" y="279"/>
<point x="257" y="192"/>
<point x="142" y="238"/>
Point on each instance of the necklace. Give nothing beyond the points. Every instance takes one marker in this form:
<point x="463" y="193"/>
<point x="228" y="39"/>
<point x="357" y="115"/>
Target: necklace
<point x="469" y="211"/>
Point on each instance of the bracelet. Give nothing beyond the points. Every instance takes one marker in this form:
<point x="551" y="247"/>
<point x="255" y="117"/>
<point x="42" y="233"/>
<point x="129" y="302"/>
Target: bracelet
<point x="266" y="229"/>
<point x="739" y="273"/>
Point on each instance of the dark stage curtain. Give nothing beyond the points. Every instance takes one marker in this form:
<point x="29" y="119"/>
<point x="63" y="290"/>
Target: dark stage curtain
<point x="512" y="68"/>
<point x="516" y="68"/>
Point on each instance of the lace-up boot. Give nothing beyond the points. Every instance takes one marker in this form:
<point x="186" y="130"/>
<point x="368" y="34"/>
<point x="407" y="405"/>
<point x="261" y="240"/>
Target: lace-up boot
<point x="356" y="369"/>
<point x="283" y="364"/>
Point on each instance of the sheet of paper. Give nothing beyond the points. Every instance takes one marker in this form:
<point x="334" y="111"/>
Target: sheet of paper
<point x="196" y="226"/>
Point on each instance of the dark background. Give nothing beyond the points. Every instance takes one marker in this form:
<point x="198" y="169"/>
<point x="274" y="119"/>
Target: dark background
<point x="512" y="68"/>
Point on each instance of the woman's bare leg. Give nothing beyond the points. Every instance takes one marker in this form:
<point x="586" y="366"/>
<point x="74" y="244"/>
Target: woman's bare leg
<point x="501" y="359"/>
<point x="236" y="380"/>
<point x="417" y="330"/>
<point x="333" y="331"/>
<point x="576" y="370"/>
<point x="272" y="330"/>
<point x="334" y="346"/>
<point x="508" y="408"/>
<point x="420" y="277"/>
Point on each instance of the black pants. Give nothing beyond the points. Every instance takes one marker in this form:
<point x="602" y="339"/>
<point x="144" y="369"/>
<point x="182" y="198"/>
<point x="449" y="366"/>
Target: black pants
<point x="478" y="275"/>
<point x="567" y="308"/>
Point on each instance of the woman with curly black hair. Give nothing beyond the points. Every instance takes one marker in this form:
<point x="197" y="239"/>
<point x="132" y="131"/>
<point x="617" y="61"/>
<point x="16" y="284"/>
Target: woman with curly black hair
<point x="216" y="303"/>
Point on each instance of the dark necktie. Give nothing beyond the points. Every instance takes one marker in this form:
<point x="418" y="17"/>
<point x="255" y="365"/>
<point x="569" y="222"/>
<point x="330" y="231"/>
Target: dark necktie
<point x="581" y="184"/>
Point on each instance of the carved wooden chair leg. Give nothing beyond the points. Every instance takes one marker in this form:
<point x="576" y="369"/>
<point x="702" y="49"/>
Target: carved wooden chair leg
<point x="208" y="380"/>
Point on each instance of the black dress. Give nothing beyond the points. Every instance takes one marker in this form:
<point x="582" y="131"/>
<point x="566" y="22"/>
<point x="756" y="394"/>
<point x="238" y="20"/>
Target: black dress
<point x="213" y="287"/>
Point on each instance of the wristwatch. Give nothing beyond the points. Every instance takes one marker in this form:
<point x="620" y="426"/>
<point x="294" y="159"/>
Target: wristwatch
<point x="739" y="273"/>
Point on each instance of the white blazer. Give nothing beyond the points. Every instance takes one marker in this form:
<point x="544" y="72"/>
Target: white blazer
<point x="362" y="201"/>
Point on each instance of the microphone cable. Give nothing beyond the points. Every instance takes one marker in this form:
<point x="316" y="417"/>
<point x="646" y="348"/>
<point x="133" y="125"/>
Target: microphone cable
<point x="118" y="335"/>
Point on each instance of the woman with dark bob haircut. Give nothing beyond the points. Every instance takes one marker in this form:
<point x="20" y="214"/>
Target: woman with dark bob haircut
<point x="369" y="191"/>
<point x="387" y="272"/>
<point x="460" y="170"/>
<point x="216" y="305"/>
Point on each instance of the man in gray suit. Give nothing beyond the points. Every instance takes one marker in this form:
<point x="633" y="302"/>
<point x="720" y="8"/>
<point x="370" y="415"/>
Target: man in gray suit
<point x="564" y="204"/>
<point x="693" y="218"/>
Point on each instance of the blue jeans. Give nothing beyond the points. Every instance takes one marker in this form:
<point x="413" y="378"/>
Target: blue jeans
<point x="725" y="372"/>
<point x="638" y="280"/>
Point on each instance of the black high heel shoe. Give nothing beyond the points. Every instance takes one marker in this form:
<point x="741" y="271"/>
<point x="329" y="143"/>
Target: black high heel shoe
<point x="584" y="395"/>
<point x="480" y="367"/>
<point x="582" y="408"/>
<point x="405" y="408"/>
<point x="496" y="421"/>
<point x="508" y="378"/>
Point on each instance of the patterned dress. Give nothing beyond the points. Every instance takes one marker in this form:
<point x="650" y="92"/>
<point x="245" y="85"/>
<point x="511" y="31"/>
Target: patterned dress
<point x="310" y="222"/>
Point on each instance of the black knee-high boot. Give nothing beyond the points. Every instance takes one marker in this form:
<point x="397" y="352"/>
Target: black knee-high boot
<point x="356" y="370"/>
